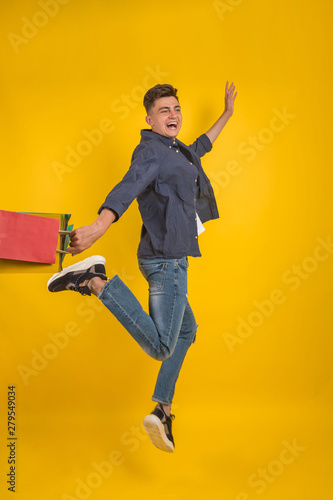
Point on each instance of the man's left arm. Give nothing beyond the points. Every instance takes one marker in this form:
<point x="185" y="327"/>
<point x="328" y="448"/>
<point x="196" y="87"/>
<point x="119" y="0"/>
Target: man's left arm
<point x="229" y="99"/>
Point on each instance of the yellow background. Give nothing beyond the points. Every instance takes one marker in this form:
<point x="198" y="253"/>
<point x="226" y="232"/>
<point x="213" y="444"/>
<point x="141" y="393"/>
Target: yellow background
<point x="237" y="404"/>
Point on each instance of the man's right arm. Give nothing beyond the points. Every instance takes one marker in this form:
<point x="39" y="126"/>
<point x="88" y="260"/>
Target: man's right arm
<point x="143" y="169"/>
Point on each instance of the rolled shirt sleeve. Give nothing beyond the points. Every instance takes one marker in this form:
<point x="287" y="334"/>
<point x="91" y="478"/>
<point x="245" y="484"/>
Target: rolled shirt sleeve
<point x="202" y="145"/>
<point x="143" y="170"/>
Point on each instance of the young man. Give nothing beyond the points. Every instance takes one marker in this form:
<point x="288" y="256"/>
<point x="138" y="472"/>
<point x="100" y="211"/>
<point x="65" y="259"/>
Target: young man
<point x="175" y="197"/>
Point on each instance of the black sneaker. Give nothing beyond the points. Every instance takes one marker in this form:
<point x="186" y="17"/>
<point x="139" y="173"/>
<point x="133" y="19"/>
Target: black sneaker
<point x="71" y="277"/>
<point x="158" y="426"/>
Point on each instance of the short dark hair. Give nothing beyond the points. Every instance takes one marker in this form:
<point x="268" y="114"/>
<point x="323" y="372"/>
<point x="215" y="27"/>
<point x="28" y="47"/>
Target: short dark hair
<point x="156" y="92"/>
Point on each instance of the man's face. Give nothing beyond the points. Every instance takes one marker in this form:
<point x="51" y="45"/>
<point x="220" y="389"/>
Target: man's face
<point x="165" y="118"/>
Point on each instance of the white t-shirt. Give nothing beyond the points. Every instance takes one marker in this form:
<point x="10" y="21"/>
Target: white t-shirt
<point x="200" y="226"/>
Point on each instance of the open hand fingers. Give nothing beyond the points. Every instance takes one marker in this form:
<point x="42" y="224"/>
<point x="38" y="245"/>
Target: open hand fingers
<point x="229" y="91"/>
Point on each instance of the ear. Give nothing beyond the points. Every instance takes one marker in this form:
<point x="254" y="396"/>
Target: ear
<point x="149" y="120"/>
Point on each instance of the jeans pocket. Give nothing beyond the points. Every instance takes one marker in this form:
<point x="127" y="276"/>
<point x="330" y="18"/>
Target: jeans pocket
<point x="155" y="275"/>
<point x="184" y="263"/>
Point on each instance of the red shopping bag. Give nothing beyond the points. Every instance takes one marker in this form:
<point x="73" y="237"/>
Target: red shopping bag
<point x="29" y="238"/>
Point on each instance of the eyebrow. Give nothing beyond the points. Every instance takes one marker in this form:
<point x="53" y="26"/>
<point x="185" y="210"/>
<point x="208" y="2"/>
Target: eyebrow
<point x="169" y="107"/>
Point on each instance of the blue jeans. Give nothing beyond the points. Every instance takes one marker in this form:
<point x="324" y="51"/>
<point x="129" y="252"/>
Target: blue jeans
<point x="169" y="329"/>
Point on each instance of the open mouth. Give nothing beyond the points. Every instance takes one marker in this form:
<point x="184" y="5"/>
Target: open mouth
<point x="172" y="125"/>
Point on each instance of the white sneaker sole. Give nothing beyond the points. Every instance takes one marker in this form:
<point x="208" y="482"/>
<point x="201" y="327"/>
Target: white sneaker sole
<point x="83" y="265"/>
<point x="155" y="429"/>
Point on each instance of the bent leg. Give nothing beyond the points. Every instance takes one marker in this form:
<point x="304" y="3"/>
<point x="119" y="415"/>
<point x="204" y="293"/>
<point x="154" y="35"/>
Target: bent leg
<point x="157" y="332"/>
<point x="170" y="368"/>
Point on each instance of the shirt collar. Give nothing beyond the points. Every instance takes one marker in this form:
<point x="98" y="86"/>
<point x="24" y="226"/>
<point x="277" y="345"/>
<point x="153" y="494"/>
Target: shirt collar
<point x="149" y="134"/>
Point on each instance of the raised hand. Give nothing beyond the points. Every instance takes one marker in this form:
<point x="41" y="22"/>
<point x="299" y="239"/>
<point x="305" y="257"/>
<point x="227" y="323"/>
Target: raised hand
<point x="229" y="98"/>
<point x="216" y="129"/>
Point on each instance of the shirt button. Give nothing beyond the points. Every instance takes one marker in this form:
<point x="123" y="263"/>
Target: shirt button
<point x="170" y="146"/>
<point x="196" y="237"/>
<point x="195" y="180"/>
<point x="191" y="163"/>
<point x="177" y="150"/>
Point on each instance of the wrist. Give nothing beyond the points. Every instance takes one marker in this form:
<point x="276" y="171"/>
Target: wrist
<point x="97" y="226"/>
<point x="104" y="220"/>
<point x="227" y="113"/>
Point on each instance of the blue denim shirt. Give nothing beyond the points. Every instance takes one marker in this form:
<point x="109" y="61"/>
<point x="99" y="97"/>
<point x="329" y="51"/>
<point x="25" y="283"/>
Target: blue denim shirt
<point x="168" y="181"/>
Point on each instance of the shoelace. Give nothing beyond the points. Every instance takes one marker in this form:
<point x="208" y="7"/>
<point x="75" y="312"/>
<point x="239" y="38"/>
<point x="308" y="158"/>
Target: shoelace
<point x="83" y="290"/>
<point x="171" y="416"/>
